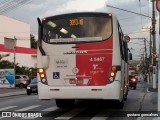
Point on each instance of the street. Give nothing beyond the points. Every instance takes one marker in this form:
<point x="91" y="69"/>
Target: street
<point x="88" y="110"/>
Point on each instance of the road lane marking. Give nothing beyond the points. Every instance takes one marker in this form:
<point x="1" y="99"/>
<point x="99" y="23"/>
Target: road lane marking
<point x="69" y="114"/>
<point x="6" y="108"/>
<point x="103" y="115"/>
<point x="28" y="108"/>
<point x="50" y="109"/>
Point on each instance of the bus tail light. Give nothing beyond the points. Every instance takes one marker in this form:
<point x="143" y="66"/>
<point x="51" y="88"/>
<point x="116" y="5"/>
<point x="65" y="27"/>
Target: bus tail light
<point x="42" y="75"/>
<point x="133" y="80"/>
<point x="112" y="73"/>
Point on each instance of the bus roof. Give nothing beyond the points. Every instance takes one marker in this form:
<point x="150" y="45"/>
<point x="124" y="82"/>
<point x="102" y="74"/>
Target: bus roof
<point x="78" y="13"/>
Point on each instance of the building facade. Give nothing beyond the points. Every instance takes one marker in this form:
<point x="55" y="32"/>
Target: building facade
<point x="15" y="29"/>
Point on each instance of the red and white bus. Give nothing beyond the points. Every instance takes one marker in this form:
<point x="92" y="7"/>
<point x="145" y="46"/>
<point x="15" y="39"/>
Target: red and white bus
<point x="82" y="56"/>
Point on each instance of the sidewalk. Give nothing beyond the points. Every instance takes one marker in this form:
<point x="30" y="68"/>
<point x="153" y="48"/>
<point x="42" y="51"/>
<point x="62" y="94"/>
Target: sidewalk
<point x="149" y="104"/>
<point x="4" y="92"/>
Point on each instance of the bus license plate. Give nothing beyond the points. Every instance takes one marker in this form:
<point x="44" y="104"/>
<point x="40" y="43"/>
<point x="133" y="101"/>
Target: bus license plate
<point x="76" y="81"/>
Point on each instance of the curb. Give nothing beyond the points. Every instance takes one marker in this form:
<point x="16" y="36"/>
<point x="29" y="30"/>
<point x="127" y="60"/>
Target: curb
<point x="10" y="95"/>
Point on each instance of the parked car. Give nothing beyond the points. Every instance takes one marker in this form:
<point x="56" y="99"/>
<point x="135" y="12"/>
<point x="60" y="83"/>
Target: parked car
<point x="32" y="87"/>
<point x="22" y="81"/>
<point x="133" y="81"/>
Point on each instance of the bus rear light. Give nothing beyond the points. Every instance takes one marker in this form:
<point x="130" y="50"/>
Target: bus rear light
<point x="54" y="89"/>
<point x="42" y="75"/>
<point x="44" y="80"/>
<point x="133" y="79"/>
<point x="40" y="70"/>
<point x="113" y="68"/>
<point x="112" y="74"/>
<point x="96" y="89"/>
<point x="111" y="79"/>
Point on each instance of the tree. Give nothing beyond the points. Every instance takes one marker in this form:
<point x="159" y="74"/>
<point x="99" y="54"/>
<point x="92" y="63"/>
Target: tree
<point x="23" y="70"/>
<point x="33" y="41"/>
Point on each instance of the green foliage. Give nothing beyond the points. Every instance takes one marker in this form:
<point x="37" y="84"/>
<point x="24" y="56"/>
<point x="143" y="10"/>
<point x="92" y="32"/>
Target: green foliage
<point x="33" y="41"/>
<point x="23" y="70"/>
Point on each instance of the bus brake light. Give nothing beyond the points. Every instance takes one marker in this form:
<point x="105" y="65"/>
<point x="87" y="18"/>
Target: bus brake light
<point x="42" y="75"/>
<point x="112" y="74"/>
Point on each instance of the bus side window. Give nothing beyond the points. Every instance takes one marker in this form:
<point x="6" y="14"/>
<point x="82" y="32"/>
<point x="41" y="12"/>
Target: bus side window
<point x="121" y="43"/>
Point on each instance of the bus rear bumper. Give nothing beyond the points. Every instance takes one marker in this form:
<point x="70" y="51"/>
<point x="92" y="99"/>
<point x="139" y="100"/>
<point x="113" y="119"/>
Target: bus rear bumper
<point x="109" y="92"/>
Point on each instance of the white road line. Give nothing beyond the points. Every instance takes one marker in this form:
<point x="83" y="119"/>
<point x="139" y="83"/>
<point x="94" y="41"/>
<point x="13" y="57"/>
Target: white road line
<point x="50" y="109"/>
<point x="103" y="115"/>
<point x="69" y="114"/>
<point x="6" y="108"/>
<point x="28" y="108"/>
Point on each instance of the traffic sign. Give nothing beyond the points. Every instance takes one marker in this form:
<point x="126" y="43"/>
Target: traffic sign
<point x="158" y="5"/>
<point x="127" y="38"/>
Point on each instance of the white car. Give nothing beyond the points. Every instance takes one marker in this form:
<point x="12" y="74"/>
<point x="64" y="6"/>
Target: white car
<point x="22" y="81"/>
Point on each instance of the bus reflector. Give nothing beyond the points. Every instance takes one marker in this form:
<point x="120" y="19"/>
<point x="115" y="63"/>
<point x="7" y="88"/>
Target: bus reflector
<point x="96" y="89"/>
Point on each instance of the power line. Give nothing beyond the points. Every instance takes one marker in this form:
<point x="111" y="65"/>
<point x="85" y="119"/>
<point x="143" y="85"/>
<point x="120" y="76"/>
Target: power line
<point x="140" y="13"/>
<point x="9" y="5"/>
<point x="129" y="11"/>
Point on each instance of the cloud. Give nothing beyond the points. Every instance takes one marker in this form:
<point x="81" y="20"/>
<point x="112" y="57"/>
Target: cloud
<point x="87" y="5"/>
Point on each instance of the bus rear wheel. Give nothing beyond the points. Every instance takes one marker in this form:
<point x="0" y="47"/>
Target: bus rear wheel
<point x="64" y="103"/>
<point x="120" y="104"/>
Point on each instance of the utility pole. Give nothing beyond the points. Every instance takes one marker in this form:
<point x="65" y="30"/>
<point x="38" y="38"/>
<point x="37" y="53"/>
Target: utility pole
<point x="154" y="43"/>
<point x="145" y="63"/>
<point x="146" y="72"/>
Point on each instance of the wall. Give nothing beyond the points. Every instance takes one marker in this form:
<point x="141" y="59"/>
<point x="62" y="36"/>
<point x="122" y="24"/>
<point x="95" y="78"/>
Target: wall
<point x="11" y="28"/>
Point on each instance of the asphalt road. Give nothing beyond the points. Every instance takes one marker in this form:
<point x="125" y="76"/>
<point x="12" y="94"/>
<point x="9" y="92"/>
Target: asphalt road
<point x="83" y="110"/>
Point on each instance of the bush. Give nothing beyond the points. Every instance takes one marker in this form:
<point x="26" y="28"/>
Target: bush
<point x="23" y="70"/>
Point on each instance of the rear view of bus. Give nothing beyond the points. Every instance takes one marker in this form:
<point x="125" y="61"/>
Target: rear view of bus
<point x="76" y="58"/>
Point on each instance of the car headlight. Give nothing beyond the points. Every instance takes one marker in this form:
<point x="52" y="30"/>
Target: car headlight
<point x="28" y="87"/>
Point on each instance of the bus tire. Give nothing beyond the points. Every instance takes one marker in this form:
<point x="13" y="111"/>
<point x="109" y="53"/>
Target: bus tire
<point x="125" y="95"/>
<point x="120" y="104"/>
<point x="64" y="103"/>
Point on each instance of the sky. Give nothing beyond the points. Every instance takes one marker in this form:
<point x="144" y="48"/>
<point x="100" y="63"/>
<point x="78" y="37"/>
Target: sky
<point x="135" y="26"/>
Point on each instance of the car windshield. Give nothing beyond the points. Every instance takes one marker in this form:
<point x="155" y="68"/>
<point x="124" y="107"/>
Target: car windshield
<point x="33" y="81"/>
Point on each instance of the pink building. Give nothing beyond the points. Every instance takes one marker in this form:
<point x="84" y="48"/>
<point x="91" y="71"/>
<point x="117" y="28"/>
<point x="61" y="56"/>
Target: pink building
<point x="11" y="28"/>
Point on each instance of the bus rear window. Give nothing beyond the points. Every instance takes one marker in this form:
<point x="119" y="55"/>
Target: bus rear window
<point x="77" y="29"/>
